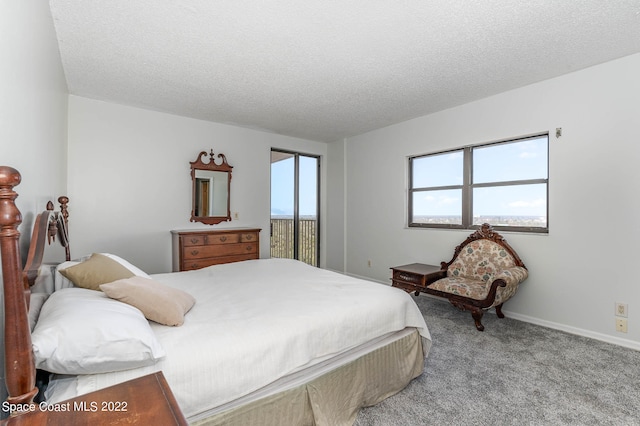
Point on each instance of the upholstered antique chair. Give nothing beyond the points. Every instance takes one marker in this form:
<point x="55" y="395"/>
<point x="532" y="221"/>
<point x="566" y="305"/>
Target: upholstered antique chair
<point x="484" y="273"/>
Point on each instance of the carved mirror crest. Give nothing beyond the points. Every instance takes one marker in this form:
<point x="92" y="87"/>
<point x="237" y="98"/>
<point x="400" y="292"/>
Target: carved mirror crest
<point x="211" y="189"/>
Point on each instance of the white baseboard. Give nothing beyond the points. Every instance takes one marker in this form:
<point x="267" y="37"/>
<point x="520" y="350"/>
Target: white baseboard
<point x="574" y="330"/>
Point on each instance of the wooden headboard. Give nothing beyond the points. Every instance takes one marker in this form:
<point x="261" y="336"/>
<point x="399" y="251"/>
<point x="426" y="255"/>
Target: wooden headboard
<point x="19" y="362"/>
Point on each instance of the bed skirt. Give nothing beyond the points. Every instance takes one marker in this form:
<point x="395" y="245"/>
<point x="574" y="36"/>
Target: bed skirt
<point x="334" y="398"/>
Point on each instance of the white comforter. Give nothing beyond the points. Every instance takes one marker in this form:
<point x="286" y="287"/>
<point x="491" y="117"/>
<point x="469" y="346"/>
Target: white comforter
<point x="258" y="320"/>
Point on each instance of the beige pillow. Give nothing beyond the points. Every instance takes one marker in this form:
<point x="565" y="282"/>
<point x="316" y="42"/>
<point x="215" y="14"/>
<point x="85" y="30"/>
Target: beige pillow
<point x="96" y="270"/>
<point x="158" y="302"/>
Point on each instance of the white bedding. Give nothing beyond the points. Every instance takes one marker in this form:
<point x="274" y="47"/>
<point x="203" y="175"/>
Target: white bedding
<point x="256" y="321"/>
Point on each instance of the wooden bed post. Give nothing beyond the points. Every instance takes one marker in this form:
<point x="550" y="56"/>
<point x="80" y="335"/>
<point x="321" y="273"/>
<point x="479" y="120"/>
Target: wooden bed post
<point x="19" y="362"/>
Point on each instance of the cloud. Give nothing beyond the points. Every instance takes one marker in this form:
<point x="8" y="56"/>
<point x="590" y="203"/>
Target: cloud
<point x="441" y="200"/>
<point x="528" y="155"/>
<point x="533" y="203"/>
<point x="448" y="200"/>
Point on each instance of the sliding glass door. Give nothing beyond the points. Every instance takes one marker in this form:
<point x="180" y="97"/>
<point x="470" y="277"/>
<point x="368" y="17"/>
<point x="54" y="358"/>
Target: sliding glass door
<point x="295" y="205"/>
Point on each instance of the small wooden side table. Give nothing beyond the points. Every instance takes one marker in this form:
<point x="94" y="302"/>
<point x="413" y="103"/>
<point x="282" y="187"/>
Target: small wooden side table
<point x="147" y="400"/>
<point x="415" y="276"/>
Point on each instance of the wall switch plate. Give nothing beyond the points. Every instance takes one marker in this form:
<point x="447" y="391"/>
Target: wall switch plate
<point x="621" y="310"/>
<point x="621" y="325"/>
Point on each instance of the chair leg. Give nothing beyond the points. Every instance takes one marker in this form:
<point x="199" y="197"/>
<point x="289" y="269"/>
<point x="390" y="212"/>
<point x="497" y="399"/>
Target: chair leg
<point x="499" y="311"/>
<point x="477" y="317"/>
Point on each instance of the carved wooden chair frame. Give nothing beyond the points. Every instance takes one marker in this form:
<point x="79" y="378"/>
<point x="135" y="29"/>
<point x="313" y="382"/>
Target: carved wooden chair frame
<point x="477" y="307"/>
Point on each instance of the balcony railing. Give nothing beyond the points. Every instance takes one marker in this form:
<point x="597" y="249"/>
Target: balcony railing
<point x="282" y="239"/>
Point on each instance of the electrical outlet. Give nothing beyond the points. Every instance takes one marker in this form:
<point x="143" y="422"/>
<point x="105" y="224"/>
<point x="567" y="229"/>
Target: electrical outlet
<point x="621" y="310"/>
<point x="236" y="215"/>
<point x="621" y="325"/>
<point x="369" y="263"/>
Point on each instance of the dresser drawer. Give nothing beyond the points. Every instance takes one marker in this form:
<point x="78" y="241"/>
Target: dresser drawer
<point x="202" y="240"/>
<point x="189" y="265"/>
<point x="248" y="237"/>
<point x="213" y="250"/>
<point x="192" y="240"/>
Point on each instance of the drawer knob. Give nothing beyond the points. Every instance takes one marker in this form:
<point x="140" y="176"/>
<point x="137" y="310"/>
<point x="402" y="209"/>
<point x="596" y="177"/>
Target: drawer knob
<point x="249" y="248"/>
<point x="194" y="240"/>
<point x="249" y="237"/>
<point x="223" y="239"/>
<point x="194" y="252"/>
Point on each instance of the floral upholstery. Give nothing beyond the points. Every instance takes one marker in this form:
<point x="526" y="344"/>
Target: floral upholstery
<point x="478" y="289"/>
<point x="481" y="260"/>
<point x="513" y="277"/>
<point x="467" y="287"/>
<point x="477" y="266"/>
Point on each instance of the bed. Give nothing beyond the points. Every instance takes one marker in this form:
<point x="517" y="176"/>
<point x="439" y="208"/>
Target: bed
<point x="268" y="341"/>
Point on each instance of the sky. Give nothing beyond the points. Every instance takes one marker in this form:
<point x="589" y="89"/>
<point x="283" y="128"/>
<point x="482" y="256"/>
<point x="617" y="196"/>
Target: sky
<point x="494" y="163"/>
<point x="282" y="186"/>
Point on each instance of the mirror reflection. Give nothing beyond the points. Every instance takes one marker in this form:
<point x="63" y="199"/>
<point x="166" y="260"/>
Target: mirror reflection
<point x="211" y="193"/>
<point x="211" y="183"/>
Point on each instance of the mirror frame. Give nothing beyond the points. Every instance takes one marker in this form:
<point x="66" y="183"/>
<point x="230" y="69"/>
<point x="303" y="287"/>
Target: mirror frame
<point x="212" y="166"/>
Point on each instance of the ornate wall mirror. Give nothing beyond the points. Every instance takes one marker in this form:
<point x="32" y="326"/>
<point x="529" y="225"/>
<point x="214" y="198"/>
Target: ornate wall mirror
<point x="211" y="183"/>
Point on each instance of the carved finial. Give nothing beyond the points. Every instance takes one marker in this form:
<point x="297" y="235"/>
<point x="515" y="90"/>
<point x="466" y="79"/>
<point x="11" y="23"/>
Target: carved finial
<point x="10" y="216"/>
<point x="9" y="177"/>
<point x="64" y="232"/>
<point x="63" y="200"/>
<point x="52" y="229"/>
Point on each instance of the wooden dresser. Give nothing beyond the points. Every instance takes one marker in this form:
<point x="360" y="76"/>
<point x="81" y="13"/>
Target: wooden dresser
<point x="195" y="249"/>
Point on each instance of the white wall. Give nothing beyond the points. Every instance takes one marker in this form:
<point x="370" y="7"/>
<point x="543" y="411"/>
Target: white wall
<point x="586" y="262"/>
<point x="335" y="207"/>
<point x="130" y="184"/>
<point x="33" y="113"/>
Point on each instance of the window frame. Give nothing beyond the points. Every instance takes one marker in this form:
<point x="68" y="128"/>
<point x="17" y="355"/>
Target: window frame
<point x="467" y="188"/>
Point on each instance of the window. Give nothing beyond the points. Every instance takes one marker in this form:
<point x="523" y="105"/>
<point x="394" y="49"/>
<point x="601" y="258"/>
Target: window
<point x="505" y="184"/>
<point x="295" y="201"/>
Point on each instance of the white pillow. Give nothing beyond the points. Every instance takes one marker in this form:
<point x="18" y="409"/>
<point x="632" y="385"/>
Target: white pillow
<point x="83" y="331"/>
<point x="45" y="282"/>
<point x="60" y="281"/>
<point x="36" y="300"/>
<point x="134" y="269"/>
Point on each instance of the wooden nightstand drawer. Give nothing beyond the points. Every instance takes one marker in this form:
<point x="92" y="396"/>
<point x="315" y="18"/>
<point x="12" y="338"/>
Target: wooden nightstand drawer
<point x="407" y="277"/>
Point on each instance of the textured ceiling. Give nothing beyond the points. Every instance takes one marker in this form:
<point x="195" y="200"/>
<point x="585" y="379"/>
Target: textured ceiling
<point x="328" y="69"/>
